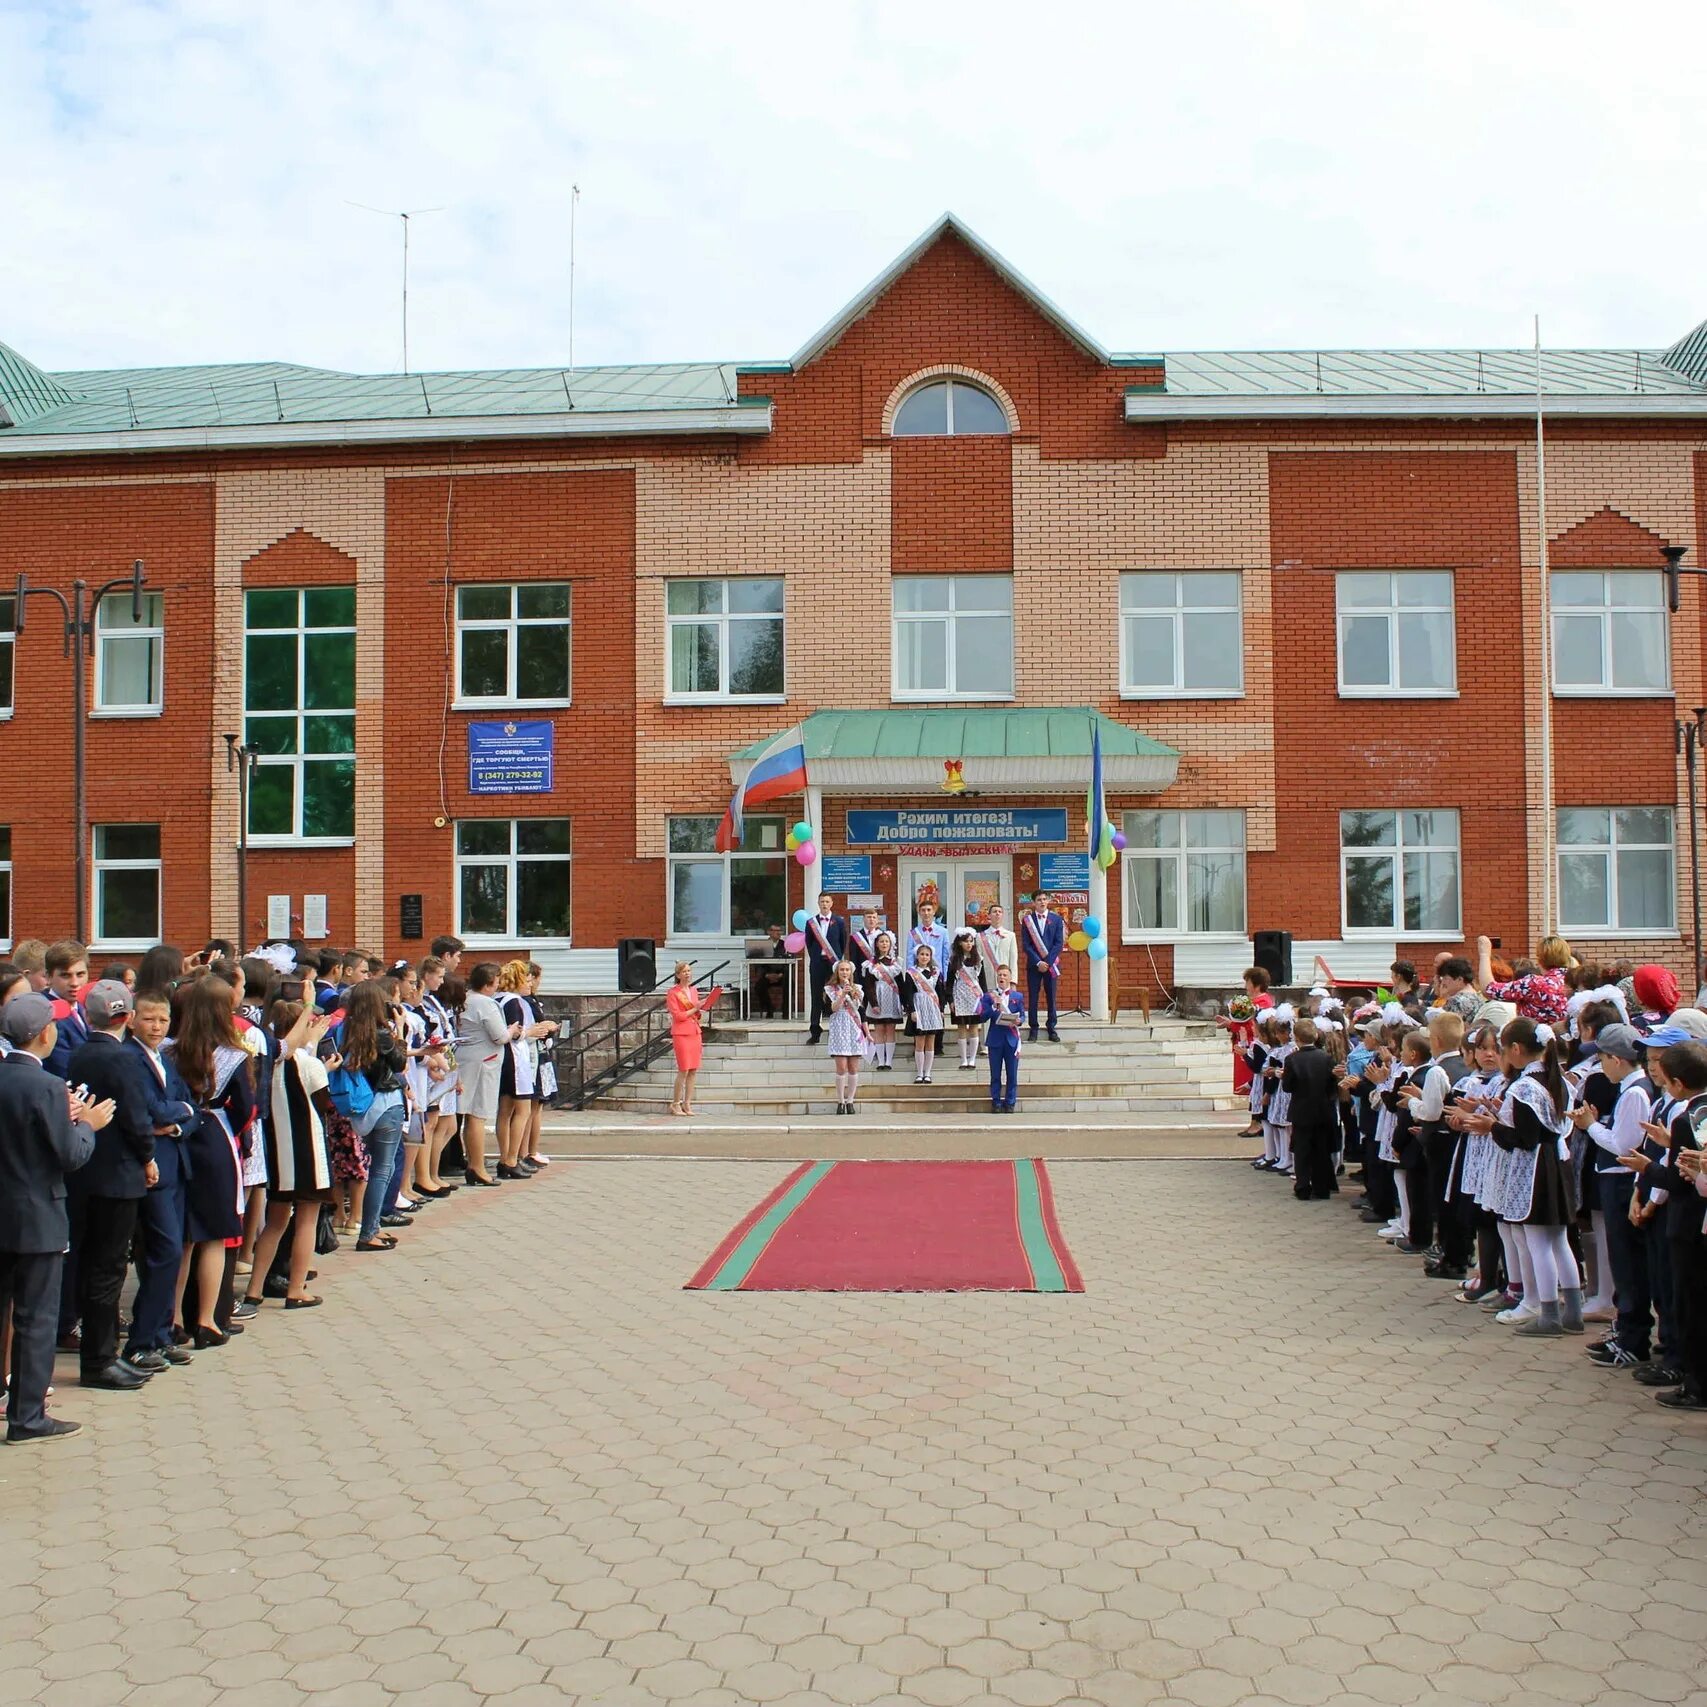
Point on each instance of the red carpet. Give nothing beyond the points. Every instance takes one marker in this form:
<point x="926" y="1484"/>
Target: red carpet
<point x="899" y="1227"/>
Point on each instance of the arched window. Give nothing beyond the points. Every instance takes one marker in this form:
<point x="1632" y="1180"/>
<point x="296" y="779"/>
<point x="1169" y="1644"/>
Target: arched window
<point x="948" y="406"/>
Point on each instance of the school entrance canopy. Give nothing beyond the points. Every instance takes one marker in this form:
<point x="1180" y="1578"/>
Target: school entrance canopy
<point x="1040" y="750"/>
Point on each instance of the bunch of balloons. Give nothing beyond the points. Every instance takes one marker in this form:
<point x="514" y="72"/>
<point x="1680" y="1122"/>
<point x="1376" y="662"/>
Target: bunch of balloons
<point x="802" y="846"/>
<point x="1088" y="939"/>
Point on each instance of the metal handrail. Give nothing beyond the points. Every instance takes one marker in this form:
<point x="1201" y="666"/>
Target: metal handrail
<point x="603" y="1034"/>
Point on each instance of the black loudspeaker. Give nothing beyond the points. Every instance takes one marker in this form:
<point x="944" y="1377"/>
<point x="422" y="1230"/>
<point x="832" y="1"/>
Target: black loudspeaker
<point x="637" y="964"/>
<point x="1273" y="953"/>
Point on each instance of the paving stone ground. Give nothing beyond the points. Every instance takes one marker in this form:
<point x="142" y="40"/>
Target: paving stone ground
<point x="1259" y="1460"/>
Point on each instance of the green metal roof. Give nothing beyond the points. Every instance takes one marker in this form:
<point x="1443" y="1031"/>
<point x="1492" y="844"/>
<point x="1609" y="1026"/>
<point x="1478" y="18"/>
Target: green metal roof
<point x="25" y="391"/>
<point x="239" y="394"/>
<point x="1062" y="732"/>
<point x="1422" y="373"/>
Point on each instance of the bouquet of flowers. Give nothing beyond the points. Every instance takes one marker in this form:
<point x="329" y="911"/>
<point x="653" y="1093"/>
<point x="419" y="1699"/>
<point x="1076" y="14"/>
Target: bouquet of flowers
<point x="1241" y="1008"/>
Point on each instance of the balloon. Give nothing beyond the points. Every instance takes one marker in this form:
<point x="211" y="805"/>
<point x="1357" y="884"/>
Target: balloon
<point x="1105" y="855"/>
<point x="794" y="941"/>
<point x="792" y="840"/>
<point x="1099" y="950"/>
<point x="806" y="853"/>
<point x="1091" y="926"/>
<point x="803" y="831"/>
<point x="800" y="918"/>
<point x="1078" y="942"/>
<point x="1120" y="841"/>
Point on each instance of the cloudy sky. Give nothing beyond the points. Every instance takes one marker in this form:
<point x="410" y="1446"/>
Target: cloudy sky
<point x="1196" y="174"/>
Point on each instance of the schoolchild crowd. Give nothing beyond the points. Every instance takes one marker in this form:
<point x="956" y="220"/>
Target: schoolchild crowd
<point x="212" y="1125"/>
<point x="1532" y="1134"/>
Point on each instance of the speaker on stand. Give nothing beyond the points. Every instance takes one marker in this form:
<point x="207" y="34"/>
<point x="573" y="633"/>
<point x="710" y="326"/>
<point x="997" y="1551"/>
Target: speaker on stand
<point x="636" y="965"/>
<point x="1273" y="953"/>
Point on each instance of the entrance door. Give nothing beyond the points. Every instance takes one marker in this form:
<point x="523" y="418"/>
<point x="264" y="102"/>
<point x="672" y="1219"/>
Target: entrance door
<point x="964" y="890"/>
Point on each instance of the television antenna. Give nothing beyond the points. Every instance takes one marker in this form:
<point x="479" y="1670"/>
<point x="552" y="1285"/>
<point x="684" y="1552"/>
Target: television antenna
<point x="405" y="215"/>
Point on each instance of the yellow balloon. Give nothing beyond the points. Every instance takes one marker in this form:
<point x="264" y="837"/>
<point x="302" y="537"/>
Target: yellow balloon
<point x="1079" y="942"/>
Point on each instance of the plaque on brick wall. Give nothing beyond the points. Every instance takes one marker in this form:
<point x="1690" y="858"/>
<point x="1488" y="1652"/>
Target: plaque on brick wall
<point x="410" y="916"/>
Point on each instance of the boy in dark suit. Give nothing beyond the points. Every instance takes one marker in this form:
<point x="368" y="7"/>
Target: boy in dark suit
<point x="1310" y="1080"/>
<point x="40" y="1143"/>
<point x="107" y="1191"/>
<point x="160" y="1215"/>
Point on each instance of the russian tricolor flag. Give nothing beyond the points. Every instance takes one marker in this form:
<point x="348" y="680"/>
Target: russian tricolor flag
<point x="779" y="770"/>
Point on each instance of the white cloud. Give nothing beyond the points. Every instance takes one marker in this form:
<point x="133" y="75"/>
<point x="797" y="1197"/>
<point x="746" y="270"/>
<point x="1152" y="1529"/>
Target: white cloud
<point x="1214" y="175"/>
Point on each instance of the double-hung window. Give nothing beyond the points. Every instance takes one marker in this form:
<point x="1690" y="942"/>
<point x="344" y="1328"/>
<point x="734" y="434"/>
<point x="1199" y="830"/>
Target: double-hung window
<point x="299" y="704"/>
<point x="512" y="880"/>
<point x="1180" y="633"/>
<point x="512" y="644"/>
<point x="129" y="672"/>
<point x="1609" y="632"/>
<point x="954" y="636"/>
<point x="1615" y="869"/>
<point x="1396" y="634"/>
<point x="127" y="885"/>
<point x="725" y="638"/>
<point x="1185" y="874"/>
<point x="735" y="894"/>
<point x="1399" y="873"/>
<point x="5" y="886"/>
<point x="8" y="646"/>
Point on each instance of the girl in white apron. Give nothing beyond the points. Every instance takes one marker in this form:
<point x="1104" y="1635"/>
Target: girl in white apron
<point x="884" y="1005"/>
<point x="965" y="993"/>
<point x="924" y="994"/>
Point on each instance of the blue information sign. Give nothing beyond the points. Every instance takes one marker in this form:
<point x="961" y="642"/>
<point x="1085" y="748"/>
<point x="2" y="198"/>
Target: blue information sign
<point x="510" y="758"/>
<point x="844" y="874"/>
<point x="951" y="827"/>
<point x="1069" y="872"/>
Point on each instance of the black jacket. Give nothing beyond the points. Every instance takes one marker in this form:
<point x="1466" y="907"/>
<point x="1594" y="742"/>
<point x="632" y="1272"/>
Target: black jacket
<point x="39" y="1146"/>
<point x="1312" y="1081"/>
<point x="125" y="1146"/>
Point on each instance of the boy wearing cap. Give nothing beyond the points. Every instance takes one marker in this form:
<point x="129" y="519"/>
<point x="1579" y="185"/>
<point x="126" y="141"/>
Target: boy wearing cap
<point x="1619" y="1049"/>
<point x="108" y="1190"/>
<point x="44" y="1140"/>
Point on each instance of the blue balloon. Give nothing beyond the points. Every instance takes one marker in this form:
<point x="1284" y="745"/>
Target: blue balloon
<point x="800" y="917"/>
<point x="1098" y="950"/>
<point x="1092" y="927"/>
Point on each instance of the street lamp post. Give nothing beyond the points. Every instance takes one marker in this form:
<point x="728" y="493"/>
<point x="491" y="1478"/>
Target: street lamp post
<point x="79" y="617"/>
<point x="244" y="759"/>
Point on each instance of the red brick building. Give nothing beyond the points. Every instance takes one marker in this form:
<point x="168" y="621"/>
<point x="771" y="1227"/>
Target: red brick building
<point x="1304" y="591"/>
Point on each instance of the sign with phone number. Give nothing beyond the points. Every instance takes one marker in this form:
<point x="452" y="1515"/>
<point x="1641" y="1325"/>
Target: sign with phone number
<point x="510" y="758"/>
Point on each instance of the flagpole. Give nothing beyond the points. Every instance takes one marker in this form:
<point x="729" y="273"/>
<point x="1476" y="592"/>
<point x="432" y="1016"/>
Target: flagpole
<point x="1096" y="813"/>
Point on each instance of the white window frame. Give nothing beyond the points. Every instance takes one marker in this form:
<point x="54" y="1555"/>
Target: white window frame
<point x="155" y="631"/>
<point x="947" y="617"/>
<point x="1131" y="932"/>
<point x="952" y="382"/>
<point x="297" y="760"/>
<point x="510" y="627"/>
<point x="6" y="873"/>
<point x="9" y="644"/>
<point x="1614" y="928"/>
<point x="778" y="855"/>
<point x="721" y="619"/>
<point x="1396" y="851"/>
<point x="1606" y="610"/>
<point x="511" y="936"/>
<point x="99" y="867"/>
<point x="1393" y="611"/>
<point x="1180" y="612"/>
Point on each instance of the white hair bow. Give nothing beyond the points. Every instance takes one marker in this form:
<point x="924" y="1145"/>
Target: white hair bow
<point x="278" y="955"/>
<point x="1544" y="1033"/>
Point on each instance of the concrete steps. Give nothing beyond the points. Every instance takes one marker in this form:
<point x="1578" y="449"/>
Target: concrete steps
<point x="768" y="1071"/>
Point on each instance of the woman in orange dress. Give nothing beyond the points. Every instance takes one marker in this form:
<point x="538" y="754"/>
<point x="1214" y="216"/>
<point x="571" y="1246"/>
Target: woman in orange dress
<point x="686" y="1008"/>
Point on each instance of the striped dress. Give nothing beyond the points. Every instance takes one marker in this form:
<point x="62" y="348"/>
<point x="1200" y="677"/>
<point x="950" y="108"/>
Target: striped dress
<point x="299" y="1165"/>
<point x="926" y="998"/>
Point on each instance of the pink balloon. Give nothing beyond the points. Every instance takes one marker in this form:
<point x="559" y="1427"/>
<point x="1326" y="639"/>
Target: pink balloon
<point x="806" y="852"/>
<point x="794" y="941"/>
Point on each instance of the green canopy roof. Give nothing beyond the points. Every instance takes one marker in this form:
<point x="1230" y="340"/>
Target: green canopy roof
<point x="901" y="750"/>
